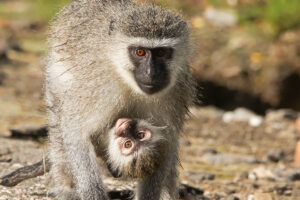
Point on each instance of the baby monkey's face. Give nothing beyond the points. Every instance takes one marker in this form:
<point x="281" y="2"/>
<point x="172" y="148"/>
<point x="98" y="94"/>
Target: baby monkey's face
<point x="136" y="148"/>
<point x="130" y="136"/>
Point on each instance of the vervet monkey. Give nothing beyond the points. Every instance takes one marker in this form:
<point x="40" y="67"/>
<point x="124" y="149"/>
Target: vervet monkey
<point x="108" y="60"/>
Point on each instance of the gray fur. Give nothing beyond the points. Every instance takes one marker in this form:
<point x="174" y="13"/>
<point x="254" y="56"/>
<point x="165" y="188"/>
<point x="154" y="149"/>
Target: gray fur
<point x="86" y="94"/>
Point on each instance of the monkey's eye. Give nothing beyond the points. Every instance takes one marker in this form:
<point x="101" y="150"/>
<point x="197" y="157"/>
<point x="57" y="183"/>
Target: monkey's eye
<point x="141" y="135"/>
<point x="140" y="52"/>
<point x="128" y="144"/>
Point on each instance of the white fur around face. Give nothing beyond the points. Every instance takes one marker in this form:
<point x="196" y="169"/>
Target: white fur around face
<point x="120" y="161"/>
<point x="58" y="72"/>
<point x="115" y="157"/>
<point x="120" y="57"/>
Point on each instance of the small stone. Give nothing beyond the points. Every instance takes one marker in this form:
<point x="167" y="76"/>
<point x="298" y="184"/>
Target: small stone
<point x="243" y="115"/>
<point x="220" y="17"/>
<point x="281" y="189"/>
<point x="250" y="197"/>
<point x="199" y="176"/>
<point x="255" y="185"/>
<point x="275" y="155"/>
<point x="232" y="198"/>
<point x="241" y="176"/>
<point x="228" y="159"/>
<point x="230" y="190"/>
<point x="255" y="121"/>
<point x="287" y="193"/>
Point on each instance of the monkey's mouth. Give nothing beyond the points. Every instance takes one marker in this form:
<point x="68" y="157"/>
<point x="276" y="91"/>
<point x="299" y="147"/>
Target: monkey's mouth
<point x="151" y="88"/>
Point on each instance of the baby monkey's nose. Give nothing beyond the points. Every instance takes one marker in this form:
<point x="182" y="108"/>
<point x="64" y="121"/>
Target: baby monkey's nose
<point x="121" y="125"/>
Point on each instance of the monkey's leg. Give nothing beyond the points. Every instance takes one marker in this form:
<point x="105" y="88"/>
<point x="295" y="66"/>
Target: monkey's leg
<point x="59" y="168"/>
<point x="171" y="186"/>
<point x="83" y="163"/>
<point x="162" y="185"/>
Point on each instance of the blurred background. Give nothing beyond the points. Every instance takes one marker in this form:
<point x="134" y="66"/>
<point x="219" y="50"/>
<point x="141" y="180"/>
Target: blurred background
<point x="239" y="143"/>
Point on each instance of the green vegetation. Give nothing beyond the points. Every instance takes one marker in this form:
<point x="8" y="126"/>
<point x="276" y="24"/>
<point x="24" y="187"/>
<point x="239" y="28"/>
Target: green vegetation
<point x="282" y="15"/>
<point x="46" y="9"/>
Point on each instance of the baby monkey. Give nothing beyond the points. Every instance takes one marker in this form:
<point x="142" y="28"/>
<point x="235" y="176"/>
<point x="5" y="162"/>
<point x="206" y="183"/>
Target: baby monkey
<point x="136" y="148"/>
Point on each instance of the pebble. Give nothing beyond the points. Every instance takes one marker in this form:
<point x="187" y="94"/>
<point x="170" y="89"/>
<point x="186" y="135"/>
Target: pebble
<point x="220" y="17"/>
<point x="199" y="176"/>
<point x="250" y="197"/>
<point x="232" y="198"/>
<point x="228" y="159"/>
<point x="275" y="155"/>
<point x="242" y="115"/>
<point x="241" y="176"/>
<point x="276" y="174"/>
<point x="283" y="189"/>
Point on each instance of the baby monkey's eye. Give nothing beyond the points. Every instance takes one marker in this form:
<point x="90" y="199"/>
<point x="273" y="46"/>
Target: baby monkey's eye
<point x="140" y="52"/>
<point x="128" y="144"/>
<point x="141" y="135"/>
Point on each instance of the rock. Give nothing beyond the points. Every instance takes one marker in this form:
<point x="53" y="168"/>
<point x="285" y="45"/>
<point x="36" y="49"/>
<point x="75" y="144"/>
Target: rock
<point x="241" y="176"/>
<point x="243" y="115"/>
<point x="251" y="197"/>
<point x="276" y="174"/>
<point x="283" y="189"/>
<point x="275" y="155"/>
<point x="230" y="190"/>
<point x="227" y="159"/>
<point x="232" y="198"/>
<point x="281" y="114"/>
<point x="220" y="17"/>
<point x="186" y="190"/>
<point x="209" y="150"/>
<point x="199" y="176"/>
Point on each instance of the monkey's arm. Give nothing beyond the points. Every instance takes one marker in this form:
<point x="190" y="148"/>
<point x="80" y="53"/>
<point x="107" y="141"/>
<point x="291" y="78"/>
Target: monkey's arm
<point x="81" y="156"/>
<point x="27" y="172"/>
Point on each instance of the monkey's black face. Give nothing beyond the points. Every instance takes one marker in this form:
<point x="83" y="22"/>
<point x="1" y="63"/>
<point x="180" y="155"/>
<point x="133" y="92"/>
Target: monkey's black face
<point x="151" y="71"/>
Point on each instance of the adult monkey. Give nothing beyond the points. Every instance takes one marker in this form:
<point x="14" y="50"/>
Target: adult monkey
<point x="110" y="60"/>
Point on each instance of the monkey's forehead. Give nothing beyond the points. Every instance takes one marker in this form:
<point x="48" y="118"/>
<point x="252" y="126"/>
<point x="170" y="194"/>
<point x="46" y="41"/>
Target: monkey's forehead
<point x="152" y="22"/>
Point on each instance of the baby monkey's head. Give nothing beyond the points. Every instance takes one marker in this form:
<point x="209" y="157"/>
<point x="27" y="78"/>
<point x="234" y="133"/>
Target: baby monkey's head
<point x="136" y="148"/>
